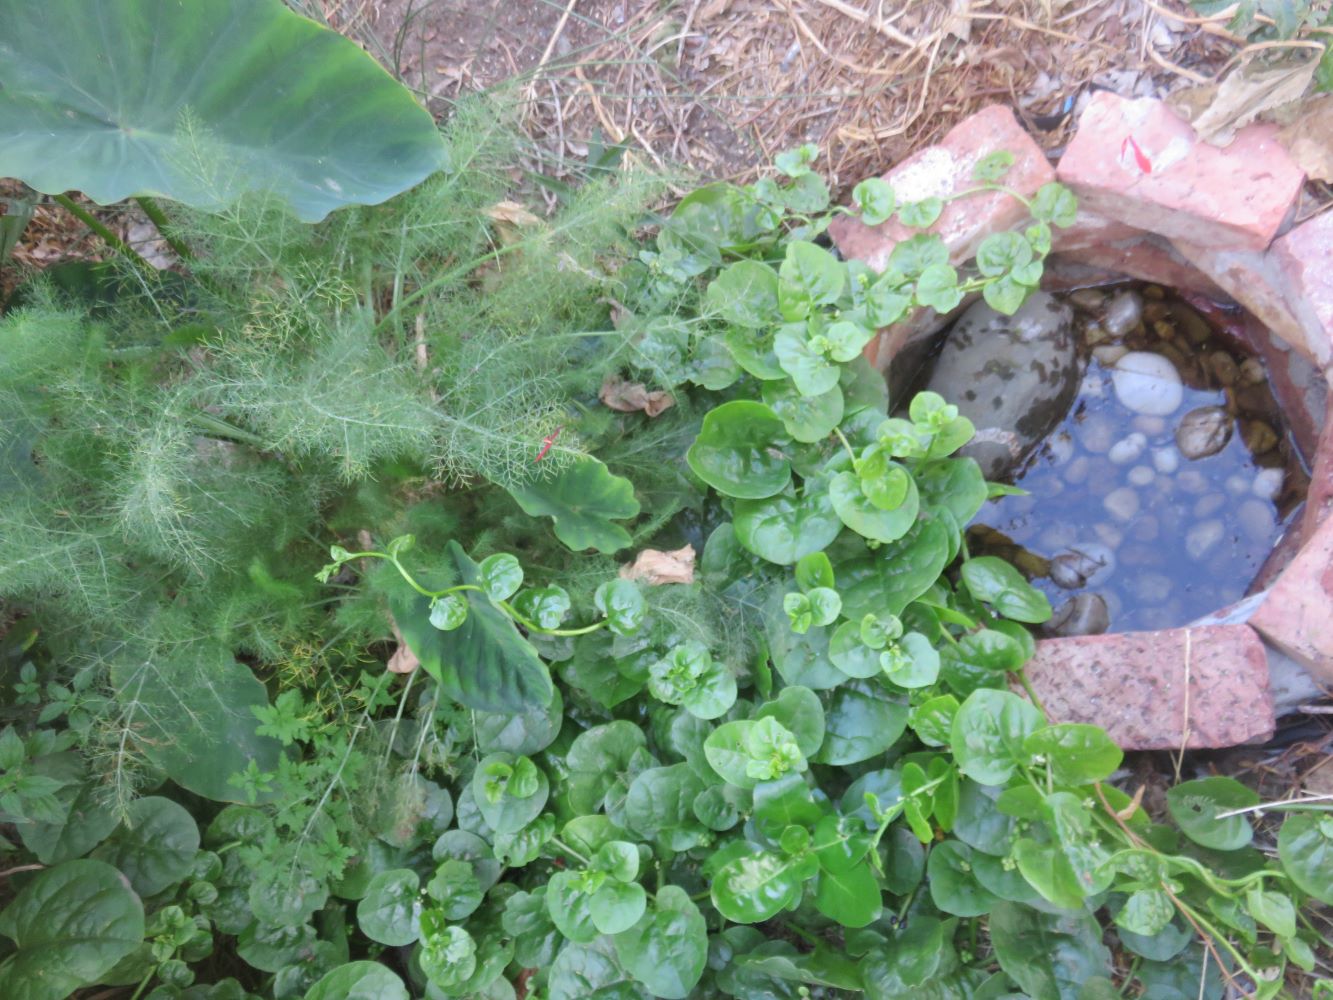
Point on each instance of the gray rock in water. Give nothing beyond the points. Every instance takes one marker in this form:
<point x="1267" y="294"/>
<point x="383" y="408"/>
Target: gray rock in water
<point x="1014" y="377"/>
<point x="1203" y="431"/>
<point x="1082" y="614"/>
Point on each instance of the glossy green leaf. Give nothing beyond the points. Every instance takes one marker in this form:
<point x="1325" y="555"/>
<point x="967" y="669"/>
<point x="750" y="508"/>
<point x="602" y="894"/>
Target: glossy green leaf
<point x="851" y="897"/>
<point x="591" y="971"/>
<point x="787" y="527"/>
<point x="1147" y="912"/>
<point x="1049" y="956"/>
<point x="1055" y="203"/>
<point x="70" y="925"/>
<point x="621" y="602"/>
<point x="448" y="612"/>
<point x="759" y="885"/>
<point x="893" y="576"/>
<point x="667" y="949"/>
<point x="524" y="732"/>
<point x="862" y="719"/>
<point x="875" y="200"/>
<point x="598" y="764"/>
<point x="1078" y="754"/>
<point x="448" y="953"/>
<point x="810" y="370"/>
<point x="916" y="665"/>
<point x="850" y="655"/>
<point x="155" y="847"/>
<point x="1305" y="847"/>
<point x="84" y="818"/>
<point x="510" y="791"/>
<point x="660" y="804"/>
<point x="583" y="499"/>
<point x="617" y="906"/>
<point x="989" y="733"/>
<point x="215" y="100"/>
<point x="501" y="576"/>
<point x="994" y="581"/>
<point x="736" y="454"/>
<point x="544" y="606"/>
<point x="814" y="570"/>
<point x="359" y="981"/>
<point x="953" y="884"/>
<point x="809" y="275"/>
<point x="920" y="214"/>
<point x="456" y="888"/>
<point x="801" y="713"/>
<point x="390" y="911"/>
<point x="938" y="288"/>
<point x="932" y="720"/>
<point x="857" y="511"/>
<point x="569" y="906"/>
<point x="806" y="418"/>
<point x="746" y="294"/>
<point x="1195" y="806"/>
<point x="485" y="664"/>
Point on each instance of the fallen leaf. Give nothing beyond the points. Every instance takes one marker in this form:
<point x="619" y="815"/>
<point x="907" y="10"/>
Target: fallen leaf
<point x="1309" y="138"/>
<point x="403" y="660"/>
<point x="654" y="567"/>
<point x="513" y="213"/>
<point x="631" y="397"/>
<point x="1245" y="95"/>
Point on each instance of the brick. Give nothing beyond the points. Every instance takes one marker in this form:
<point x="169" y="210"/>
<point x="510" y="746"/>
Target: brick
<point x="942" y="170"/>
<point x="1174" y="184"/>
<point x="1304" y="259"/>
<point x="1319" y="496"/>
<point x="1252" y="278"/>
<point x="1134" y="686"/>
<point x="1297" y="614"/>
<point x="1146" y="257"/>
<point x="945" y="169"/>
<point x="1091" y="230"/>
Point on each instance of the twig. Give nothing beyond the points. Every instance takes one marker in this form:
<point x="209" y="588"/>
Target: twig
<point x="102" y="231"/>
<point x="1275" y="806"/>
<point x="21" y="868"/>
<point x="550" y="47"/>
<point x="159" y="219"/>
<point x="873" y="21"/>
<point x="1185" y="721"/>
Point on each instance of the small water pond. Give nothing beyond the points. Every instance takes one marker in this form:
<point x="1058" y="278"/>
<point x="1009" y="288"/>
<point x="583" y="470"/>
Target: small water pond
<point x="1159" y="492"/>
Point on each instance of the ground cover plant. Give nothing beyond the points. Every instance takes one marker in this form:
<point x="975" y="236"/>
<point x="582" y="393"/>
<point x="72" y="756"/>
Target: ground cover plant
<point x="321" y="679"/>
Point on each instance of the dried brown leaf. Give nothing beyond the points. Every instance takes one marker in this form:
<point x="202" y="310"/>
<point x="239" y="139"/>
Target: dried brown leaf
<point x="1309" y="138"/>
<point x="631" y="397"/>
<point x="655" y="567"/>
<point x="513" y="213"/>
<point x="1245" y="95"/>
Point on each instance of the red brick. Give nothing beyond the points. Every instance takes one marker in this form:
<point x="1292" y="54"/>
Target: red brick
<point x="1134" y="685"/>
<point x="1304" y="259"/>
<point x="1146" y="257"/>
<point x="1297" y="614"/>
<point x="1319" y="497"/>
<point x="1251" y="278"/>
<point x="1090" y="230"/>
<point x="1173" y="184"/>
<point x="946" y="169"/>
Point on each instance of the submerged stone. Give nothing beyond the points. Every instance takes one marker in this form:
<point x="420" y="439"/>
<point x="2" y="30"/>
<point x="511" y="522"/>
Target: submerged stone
<point x="1203" y="431"/>
<point x="1014" y="377"/>
<point x="1147" y="383"/>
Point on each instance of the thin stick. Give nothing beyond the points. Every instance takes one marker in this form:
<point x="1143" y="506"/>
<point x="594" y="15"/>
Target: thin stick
<point x="1184" y="722"/>
<point x="862" y="17"/>
<point x="550" y="47"/>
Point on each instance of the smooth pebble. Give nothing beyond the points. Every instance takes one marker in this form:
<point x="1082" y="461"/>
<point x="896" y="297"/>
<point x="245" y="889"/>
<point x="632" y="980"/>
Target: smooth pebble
<point x="1237" y="484"/>
<point x="1209" y="504"/>
<point x="1203" y="431"/>
<point x="1165" y="460"/>
<point x="1140" y="475"/>
<point x="1152" y="588"/>
<point x="1268" y="483"/>
<point x="1255" y="518"/>
<point x="1096" y="433"/>
<point x="1152" y="426"/>
<point x="1082" y="614"/>
<point x="1122" y="504"/>
<point x="1201" y="538"/>
<point x="1077" y="470"/>
<point x="1123" y="313"/>
<point x="1193" y="481"/>
<point x="1148" y="383"/>
<point x="1127" y="449"/>
<point x="1108" y="534"/>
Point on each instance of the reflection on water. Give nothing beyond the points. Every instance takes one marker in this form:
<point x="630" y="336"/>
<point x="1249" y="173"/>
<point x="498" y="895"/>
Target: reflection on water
<point x="1161" y="494"/>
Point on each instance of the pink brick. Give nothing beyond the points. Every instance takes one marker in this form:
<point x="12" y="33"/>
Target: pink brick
<point x="945" y="169"/>
<point x="1146" y="257"/>
<point x="1251" y="278"/>
<point x="1304" y="259"/>
<point x="1139" y="162"/>
<point x="1297" y="615"/>
<point x="1319" y="497"/>
<point x="1090" y="230"/>
<point x="1134" y="685"/>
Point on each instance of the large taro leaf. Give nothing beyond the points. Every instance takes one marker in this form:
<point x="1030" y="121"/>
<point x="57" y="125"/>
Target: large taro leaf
<point x="484" y="663"/>
<point x="583" y="499"/>
<point x="70" y="924"/>
<point x="190" y="713"/>
<point x="200" y="102"/>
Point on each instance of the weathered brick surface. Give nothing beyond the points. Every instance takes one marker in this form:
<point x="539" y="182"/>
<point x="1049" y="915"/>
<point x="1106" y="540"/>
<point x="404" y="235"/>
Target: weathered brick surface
<point x="1135" y="686"/>
<point x="1304" y="260"/>
<point x="938" y="171"/>
<point x="1297" y="615"/>
<point x="1146" y="257"/>
<point x="1319" y="497"/>
<point x="1251" y="278"/>
<point x="1139" y="162"/>
<point x="1091" y="230"/>
<point x="945" y="169"/>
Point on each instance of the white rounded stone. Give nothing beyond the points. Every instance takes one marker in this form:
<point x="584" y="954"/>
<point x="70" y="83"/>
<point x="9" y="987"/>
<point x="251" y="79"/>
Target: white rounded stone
<point x="1148" y="383"/>
<point x="1165" y="460"/>
<point x="1256" y="520"/>
<point x="1127" y="449"/>
<point x="1140" y="475"/>
<point x="1122" y="504"/>
<point x="1268" y="483"/>
<point x="1201" y="538"/>
<point x="1123" y="313"/>
<point x="1237" y="484"/>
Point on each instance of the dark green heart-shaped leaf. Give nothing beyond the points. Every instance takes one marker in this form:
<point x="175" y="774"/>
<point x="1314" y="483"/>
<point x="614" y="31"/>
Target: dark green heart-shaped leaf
<point x="896" y="574"/>
<point x="390" y="911"/>
<point x="1305" y="847"/>
<point x="668" y="948"/>
<point x="869" y="521"/>
<point x="484" y="663"/>
<point x="787" y="527"/>
<point x="989" y="733"/>
<point x="1049" y="956"/>
<point x="156" y="846"/>
<point x="1195" y="805"/>
<point x="746" y="294"/>
<point x="736" y="454"/>
<point x="1077" y="754"/>
<point x="583" y="499"/>
<point x="862" y="719"/>
<point x="359" y="981"/>
<point x="203" y="102"/>
<point x="69" y="925"/>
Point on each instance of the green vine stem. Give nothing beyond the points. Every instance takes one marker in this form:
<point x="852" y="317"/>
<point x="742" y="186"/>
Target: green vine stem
<point x="159" y="219"/>
<point x="102" y="231"/>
